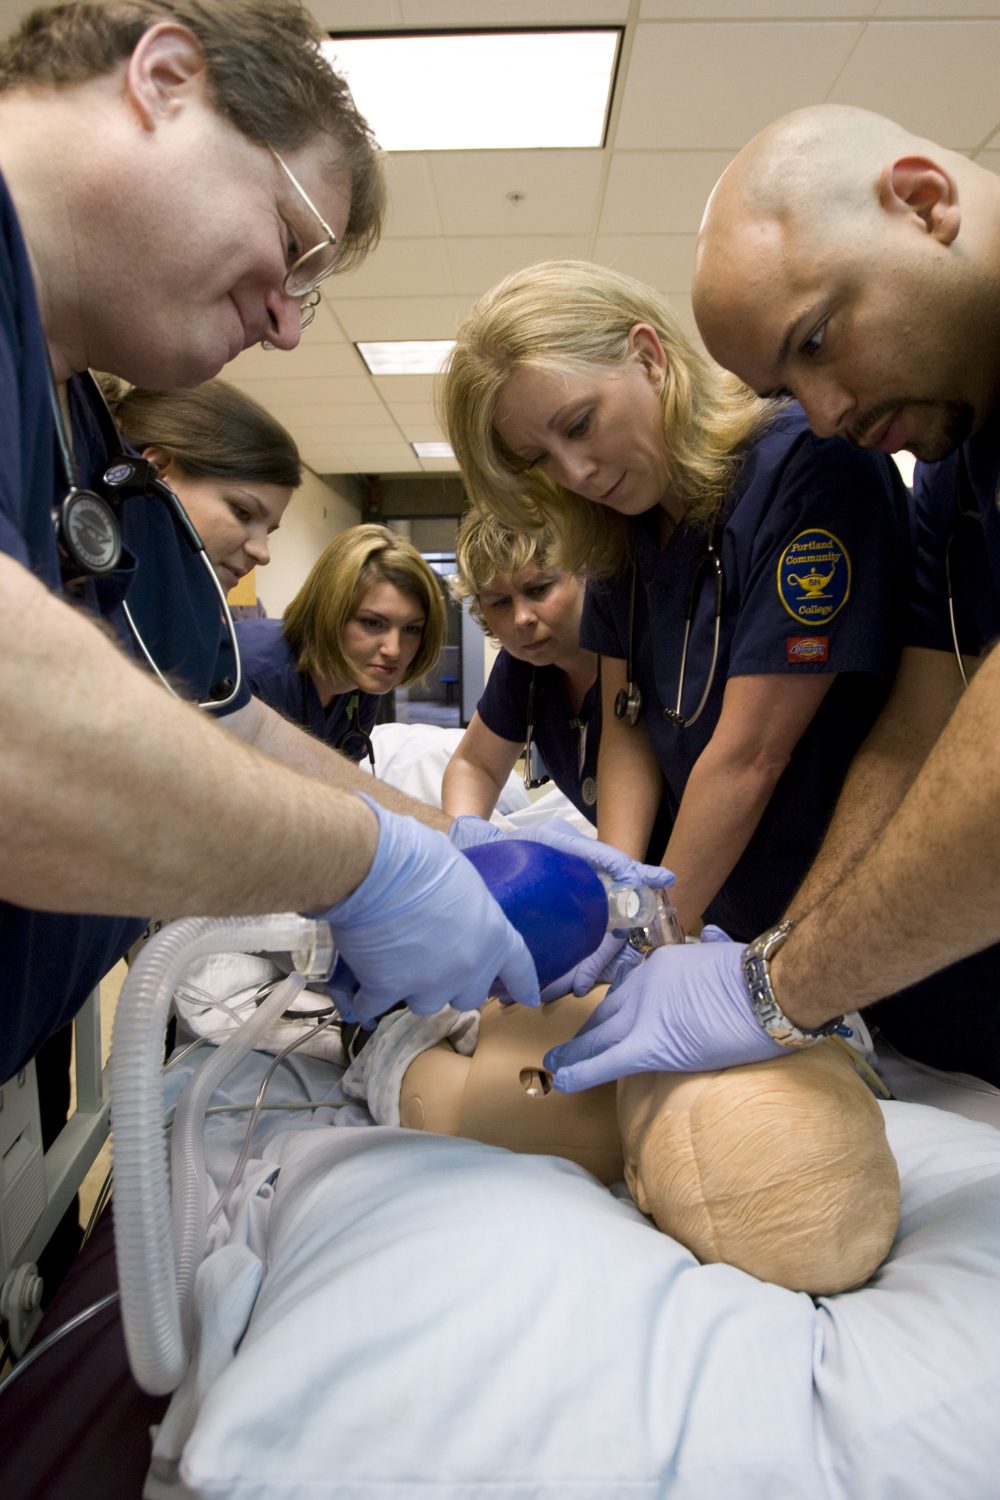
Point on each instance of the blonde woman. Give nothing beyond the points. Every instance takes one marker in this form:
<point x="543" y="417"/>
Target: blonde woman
<point x="542" y="697"/>
<point x="370" y="617"/>
<point x="745" y="578"/>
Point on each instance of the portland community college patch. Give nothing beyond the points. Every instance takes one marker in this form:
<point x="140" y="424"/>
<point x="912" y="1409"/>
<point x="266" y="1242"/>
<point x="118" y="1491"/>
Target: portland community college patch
<point x="814" y="577"/>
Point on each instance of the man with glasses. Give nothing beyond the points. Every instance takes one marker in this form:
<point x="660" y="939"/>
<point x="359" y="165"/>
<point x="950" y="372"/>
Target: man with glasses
<point x="178" y="179"/>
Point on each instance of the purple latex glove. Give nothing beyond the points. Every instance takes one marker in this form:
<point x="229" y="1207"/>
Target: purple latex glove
<point x="608" y="963"/>
<point x="468" y="830"/>
<point x="422" y="928"/>
<point x="684" y="1009"/>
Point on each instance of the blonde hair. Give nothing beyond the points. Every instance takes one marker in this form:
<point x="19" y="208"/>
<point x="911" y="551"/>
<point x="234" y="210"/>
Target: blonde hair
<point x="570" y="316"/>
<point x="486" y="548"/>
<point x="313" y="624"/>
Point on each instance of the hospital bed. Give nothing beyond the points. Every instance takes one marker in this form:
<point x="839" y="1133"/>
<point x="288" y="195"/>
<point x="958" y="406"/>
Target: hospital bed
<point x="390" y="1315"/>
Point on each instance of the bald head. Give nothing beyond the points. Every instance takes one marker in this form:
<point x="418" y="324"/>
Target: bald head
<point x="834" y="237"/>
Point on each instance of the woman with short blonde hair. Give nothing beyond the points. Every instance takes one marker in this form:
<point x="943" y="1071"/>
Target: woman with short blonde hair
<point x="542" y="697"/>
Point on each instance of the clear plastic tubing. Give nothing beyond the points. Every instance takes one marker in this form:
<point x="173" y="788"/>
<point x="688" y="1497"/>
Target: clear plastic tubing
<point x="189" y="1184"/>
<point x="158" y="1346"/>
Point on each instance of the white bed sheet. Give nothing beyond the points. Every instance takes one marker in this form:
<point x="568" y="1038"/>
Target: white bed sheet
<point x="400" y="1315"/>
<point x="396" y="1316"/>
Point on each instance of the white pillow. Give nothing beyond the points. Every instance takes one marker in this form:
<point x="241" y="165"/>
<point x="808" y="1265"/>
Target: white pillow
<point x="440" y="1318"/>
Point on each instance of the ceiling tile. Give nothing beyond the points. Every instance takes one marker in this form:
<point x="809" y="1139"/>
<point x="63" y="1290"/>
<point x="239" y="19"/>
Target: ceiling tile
<point x="479" y="264"/>
<point x="423" y="432"/>
<point x="714" y="86"/>
<point x="381" y="458"/>
<point x="325" y="458"/>
<point x="559" y="191"/>
<point x="947" y="9"/>
<point x="400" y="268"/>
<point x="308" y="360"/>
<point x="283" y="394"/>
<point x="902" y="69"/>
<point x="990" y="160"/>
<point x="335" y="416"/>
<point x="412" y="205"/>
<point x="355" y="15"/>
<point x="412" y="413"/>
<point x="756" y="10"/>
<point x="393" y="388"/>
<point x="472" y="13"/>
<point x="660" y="192"/>
<point x="665" y="261"/>
<point x="375" y="318"/>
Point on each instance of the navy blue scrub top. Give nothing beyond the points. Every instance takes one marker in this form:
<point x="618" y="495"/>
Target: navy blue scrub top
<point x="51" y="960"/>
<point x="271" y="670"/>
<point x="816" y="553"/>
<point x="955" y="503"/>
<point x="559" y="734"/>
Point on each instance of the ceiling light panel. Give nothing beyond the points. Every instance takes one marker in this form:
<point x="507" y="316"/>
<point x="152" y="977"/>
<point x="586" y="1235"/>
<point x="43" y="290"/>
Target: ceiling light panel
<point x="481" y="91"/>
<point x="406" y="356"/>
<point x="433" y="450"/>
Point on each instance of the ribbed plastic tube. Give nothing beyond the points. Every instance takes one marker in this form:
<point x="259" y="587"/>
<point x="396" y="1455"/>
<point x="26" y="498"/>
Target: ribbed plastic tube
<point x="189" y="1182"/>
<point x="156" y="1340"/>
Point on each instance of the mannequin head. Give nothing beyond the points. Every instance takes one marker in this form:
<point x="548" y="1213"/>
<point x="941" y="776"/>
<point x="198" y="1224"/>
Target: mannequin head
<point x="781" y="1168"/>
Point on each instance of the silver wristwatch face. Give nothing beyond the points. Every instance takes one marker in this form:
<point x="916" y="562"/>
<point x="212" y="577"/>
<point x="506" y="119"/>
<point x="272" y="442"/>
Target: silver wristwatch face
<point x="770" y="1017"/>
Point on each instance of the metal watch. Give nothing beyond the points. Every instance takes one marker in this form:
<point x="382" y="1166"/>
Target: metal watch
<point x="770" y="1016"/>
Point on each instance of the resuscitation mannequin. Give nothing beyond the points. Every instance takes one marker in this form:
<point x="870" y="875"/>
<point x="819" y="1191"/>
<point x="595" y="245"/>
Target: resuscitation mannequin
<point x="781" y="1168"/>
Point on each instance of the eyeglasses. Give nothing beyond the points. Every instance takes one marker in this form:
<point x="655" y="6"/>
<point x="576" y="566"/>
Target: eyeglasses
<point x="303" y="277"/>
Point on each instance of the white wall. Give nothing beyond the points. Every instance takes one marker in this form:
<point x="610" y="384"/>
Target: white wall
<point x="317" y="514"/>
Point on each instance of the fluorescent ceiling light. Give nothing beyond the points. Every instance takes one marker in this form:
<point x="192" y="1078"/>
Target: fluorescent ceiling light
<point x="406" y="356"/>
<point x="481" y="91"/>
<point x="433" y="450"/>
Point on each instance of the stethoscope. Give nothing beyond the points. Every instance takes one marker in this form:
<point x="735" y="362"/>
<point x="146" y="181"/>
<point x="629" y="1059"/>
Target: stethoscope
<point x="355" y="731"/>
<point x="89" y="538"/>
<point x="534" y="773"/>
<point x="960" y="514"/>
<point x="354" y="728"/>
<point x="628" y="700"/>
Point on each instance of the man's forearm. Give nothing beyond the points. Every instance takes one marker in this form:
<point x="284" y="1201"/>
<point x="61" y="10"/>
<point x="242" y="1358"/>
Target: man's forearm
<point x="266" y="730"/>
<point x="924" y="695"/>
<point x="116" y="798"/>
<point x="928" y="891"/>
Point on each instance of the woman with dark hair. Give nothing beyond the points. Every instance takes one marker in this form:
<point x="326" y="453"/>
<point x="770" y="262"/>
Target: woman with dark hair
<point x="232" y="465"/>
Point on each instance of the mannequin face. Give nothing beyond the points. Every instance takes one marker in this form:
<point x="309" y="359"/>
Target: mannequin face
<point x="535" y="614"/>
<point x="382" y="637"/>
<point x="233" y="518"/>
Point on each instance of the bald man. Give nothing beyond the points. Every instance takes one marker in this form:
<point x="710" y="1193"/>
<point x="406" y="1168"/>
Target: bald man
<point x="856" y="266"/>
<point x="852" y="265"/>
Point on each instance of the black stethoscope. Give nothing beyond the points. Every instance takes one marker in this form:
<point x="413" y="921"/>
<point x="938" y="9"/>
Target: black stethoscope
<point x="354" y="728"/>
<point x="88" y="533"/>
<point x="355" y="731"/>
<point x="535" y="774"/>
<point x="628" y="700"/>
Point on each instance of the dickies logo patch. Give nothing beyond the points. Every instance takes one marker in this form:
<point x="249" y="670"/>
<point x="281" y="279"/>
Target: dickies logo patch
<point x="814" y="577"/>
<point x="807" y="648"/>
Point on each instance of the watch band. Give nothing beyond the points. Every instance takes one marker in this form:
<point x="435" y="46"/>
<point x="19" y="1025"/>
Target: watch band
<point x="770" y="1016"/>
